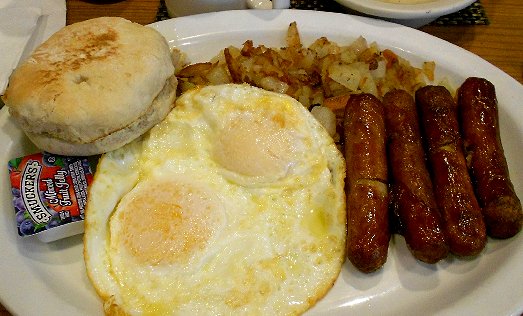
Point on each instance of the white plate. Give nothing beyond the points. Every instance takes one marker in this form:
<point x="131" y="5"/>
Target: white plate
<point x="38" y="278"/>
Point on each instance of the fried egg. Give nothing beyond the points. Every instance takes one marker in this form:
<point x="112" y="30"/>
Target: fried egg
<point x="234" y="204"/>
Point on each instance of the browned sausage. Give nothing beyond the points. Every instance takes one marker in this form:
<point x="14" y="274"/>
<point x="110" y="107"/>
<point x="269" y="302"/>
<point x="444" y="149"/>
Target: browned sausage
<point x="412" y="197"/>
<point x="464" y="225"/>
<point x="366" y="183"/>
<point x="486" y="160"/>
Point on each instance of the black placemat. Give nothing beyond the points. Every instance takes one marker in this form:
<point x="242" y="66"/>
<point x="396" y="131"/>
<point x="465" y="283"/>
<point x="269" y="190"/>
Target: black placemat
<point x="471" y="15"/>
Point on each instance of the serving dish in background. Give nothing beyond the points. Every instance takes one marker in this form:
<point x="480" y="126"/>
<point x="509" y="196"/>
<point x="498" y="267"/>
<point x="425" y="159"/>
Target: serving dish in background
<point x="412" y="13"/>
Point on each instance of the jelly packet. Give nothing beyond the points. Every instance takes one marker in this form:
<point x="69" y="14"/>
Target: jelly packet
<point x="49" y="194"/>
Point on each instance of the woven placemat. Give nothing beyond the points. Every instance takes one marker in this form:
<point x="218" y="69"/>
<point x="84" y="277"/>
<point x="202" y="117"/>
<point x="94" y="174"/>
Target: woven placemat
<point x="471" y="15"/>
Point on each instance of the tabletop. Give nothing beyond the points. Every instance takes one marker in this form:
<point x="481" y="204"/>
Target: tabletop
<point x="500" y="42"/>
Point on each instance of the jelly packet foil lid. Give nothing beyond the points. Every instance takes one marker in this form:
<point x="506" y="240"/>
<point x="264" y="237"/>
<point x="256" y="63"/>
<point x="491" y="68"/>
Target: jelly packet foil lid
<point x="49" y="194"/>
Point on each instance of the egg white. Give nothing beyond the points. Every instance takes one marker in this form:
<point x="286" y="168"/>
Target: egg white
<point x="234" y="204"/>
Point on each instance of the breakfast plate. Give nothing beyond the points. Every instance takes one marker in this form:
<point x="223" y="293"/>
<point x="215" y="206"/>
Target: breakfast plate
<point x="49" y="278"/>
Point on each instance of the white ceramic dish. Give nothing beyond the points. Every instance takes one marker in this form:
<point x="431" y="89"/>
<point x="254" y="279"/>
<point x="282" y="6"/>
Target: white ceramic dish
<point x="49" y="279"/>
<point x="413" y="15"/>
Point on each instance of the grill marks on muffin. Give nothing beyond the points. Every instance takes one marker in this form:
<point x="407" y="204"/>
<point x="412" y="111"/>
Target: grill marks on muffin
<point x="81" y="49"/>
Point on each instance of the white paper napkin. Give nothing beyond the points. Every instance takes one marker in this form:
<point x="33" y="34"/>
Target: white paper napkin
<point x="24" y="24"/>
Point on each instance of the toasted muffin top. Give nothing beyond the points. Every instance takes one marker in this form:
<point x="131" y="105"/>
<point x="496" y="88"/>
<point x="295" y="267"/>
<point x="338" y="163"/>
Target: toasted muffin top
<point x="90" y="79"/>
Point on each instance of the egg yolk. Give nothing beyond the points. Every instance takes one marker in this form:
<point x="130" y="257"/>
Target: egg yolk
<point x="168" y="223"/>
<point x="255" y="145"/>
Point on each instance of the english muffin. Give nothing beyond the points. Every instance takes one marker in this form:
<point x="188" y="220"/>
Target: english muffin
<point x="93" y="86"/>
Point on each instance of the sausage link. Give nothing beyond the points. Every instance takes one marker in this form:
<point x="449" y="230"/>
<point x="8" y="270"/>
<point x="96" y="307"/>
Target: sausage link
<point x="412" y="197"/>
<point x="477" y="104"/>
<point x="463" y="221"/>
<point x="366" y="183"/>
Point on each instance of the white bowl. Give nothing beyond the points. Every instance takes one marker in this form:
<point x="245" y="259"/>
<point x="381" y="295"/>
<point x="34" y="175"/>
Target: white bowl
<point x="413" y="13"/>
